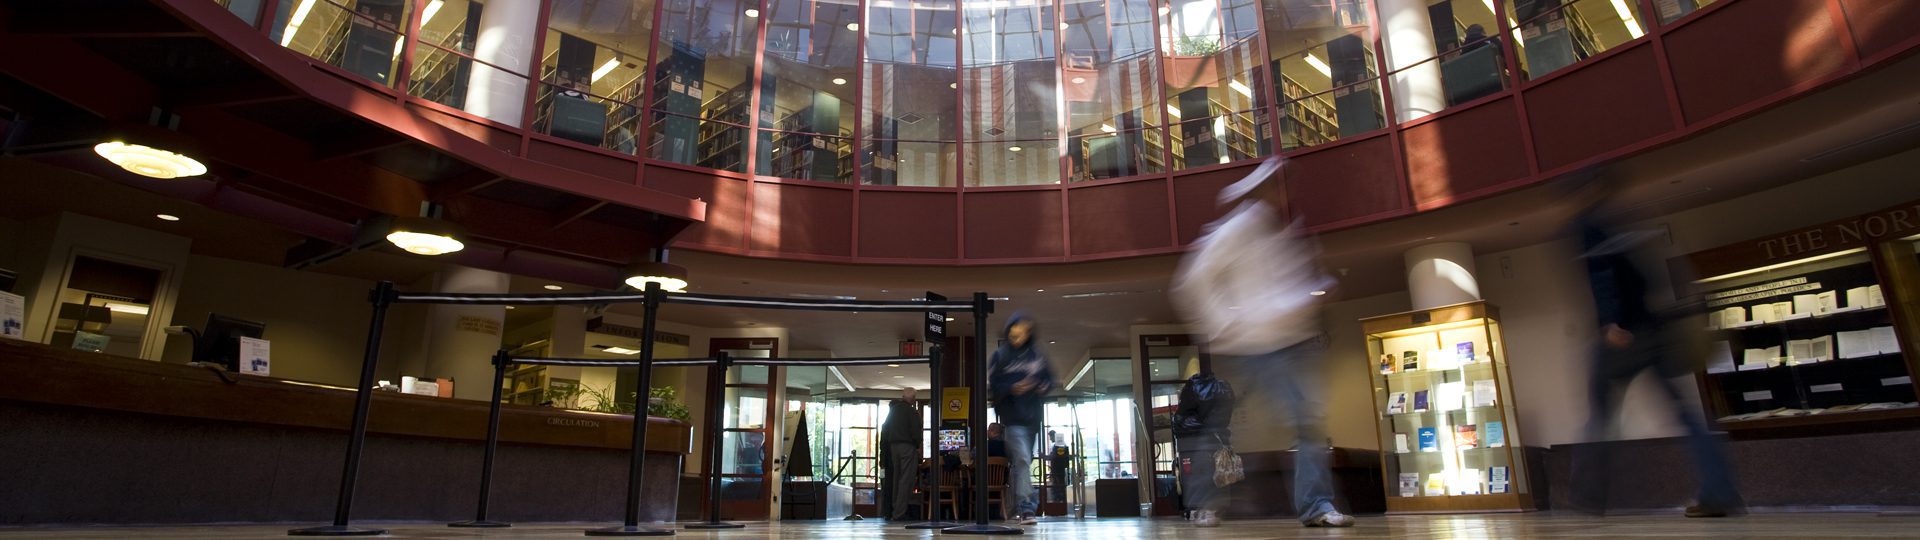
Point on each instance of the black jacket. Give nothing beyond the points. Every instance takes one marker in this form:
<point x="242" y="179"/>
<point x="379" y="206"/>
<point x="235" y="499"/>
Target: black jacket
<point x="1619" y="287"/>
<point x="1202" y="421"/>
<point x="1012" y="365"/>
<point x="903" y="423"/>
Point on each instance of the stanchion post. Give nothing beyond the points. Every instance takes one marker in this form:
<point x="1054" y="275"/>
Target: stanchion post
<point x="716" y="424"/>
<point x="977" y="422"/>
<point x="480" y="521"/>
<point x="935" y="468"/>
<point x="382" y="298"/>
<point x="637" y="466"/>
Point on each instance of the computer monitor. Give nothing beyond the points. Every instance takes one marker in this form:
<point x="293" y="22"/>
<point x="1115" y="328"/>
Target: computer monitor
<point x="952" y="439"/>
<point x="220" y="341"/>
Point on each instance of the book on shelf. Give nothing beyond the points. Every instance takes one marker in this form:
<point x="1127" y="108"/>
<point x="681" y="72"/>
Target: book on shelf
<point x="1436" y="486"/>
<point x="1420" y="401"/>
<point x="1388" y="363"/>
<point x="1485" y="393"/>
<point x="1464" y="352"/>
<point x="1397" y="403"/>
<point x="1495" y="435"/>
<point x="1410" y="361"/>
<point x="1400" y="444"/>
<point x="1466" y="436"/>
<point x="1429" y="439"/>
<point x="1410" y="484"/>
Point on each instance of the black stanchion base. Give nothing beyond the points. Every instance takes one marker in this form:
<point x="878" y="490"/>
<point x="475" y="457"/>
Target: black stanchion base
<point x="480" y="524"/>
<point x="629" y="530"/>
<point x="715" y="525"/>
<point x="933" y="525"/>
<point x="335" y="530"/>
<point x="984" y="529"/>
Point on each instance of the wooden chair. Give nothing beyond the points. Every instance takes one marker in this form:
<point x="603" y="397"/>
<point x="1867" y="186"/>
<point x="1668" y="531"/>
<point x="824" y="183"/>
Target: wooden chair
<point x="997" y="484"/>
<point x="950" y="483"/>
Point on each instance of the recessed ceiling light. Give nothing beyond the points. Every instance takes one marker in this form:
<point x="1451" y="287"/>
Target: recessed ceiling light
<point x="509" y="307"/>
<point x="753" y="13"/>
<point x="837" y="80"/>
<point x="893" y="365"/>
<point x="621" y="350"/>
<point x="1053" y="342"/>
<point x="949" y="319"/>
<point x="1014" y="148"/>
<point x="554" y="287"/>
<point x="854" y="26"/>
<point x="899" y="376"/>
<point x="955" y="86"/>
<point x="1039" y="290"/>
<point x="1078" y="80"/>
<point x="167" y="217"/>
<point x="1318" y="293"/>
<point x="425" y="236"/>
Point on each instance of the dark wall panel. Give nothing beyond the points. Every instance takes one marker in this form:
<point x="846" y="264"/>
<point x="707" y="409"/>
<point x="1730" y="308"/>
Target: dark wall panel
<point x="1118" y="218"/>
<point x="612" y="168"/>
<point x="726" y="225"/>
<point x="1880" y="25"/>
<point x="1466" y="152"/>
<point x="909" y="225"/>
<point x="803" y="220"/>
<point x="1014" y="225"/>
<point x="1195" y="199"/>
<point x="1749" y="50"/>
<point x="1345" y="183"/>
<point x="1598" y="108"/>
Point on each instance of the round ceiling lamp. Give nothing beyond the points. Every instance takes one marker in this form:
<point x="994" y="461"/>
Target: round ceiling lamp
<point x="672" y="278"/>
<point x="425" y="236"/>
<point x="149" y="161"/>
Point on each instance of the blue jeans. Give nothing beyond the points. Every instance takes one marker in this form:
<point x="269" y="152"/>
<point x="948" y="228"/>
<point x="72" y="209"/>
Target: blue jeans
<point x="1020" y="469"/>
<point x="1289" y="383"/>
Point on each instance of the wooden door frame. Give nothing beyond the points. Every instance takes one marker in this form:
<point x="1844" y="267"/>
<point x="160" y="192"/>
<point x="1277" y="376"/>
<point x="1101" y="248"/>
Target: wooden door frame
<point x="1162" y="506"/>
<point x="760" y="508"/>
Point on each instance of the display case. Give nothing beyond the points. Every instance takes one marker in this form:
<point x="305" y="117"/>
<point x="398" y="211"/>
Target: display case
<point x="1808" y="328"/>
<point x="1449" y="436"/>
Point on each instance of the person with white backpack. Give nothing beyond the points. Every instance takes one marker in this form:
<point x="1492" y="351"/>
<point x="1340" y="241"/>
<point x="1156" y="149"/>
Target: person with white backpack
<point x="1250" y="284"/>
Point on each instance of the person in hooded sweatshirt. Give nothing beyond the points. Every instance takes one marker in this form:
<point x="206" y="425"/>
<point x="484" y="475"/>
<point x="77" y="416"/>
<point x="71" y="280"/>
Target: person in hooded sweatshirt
<point x="1249" y="285"/>
<point x="1018" y="380"/>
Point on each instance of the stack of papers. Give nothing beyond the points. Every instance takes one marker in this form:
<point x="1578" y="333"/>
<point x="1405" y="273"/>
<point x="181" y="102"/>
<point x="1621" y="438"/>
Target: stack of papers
<point x="1760" y="358"/>
<point x="1720" y="358"/>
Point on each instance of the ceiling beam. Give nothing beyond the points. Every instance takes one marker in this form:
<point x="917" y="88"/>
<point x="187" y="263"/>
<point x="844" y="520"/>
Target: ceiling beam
<point x="253" y="92"/>
<point x="574" y="212"/>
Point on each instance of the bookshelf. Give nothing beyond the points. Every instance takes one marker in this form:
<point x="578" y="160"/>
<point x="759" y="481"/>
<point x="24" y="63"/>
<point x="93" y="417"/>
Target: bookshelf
<point x="722" y="140"/>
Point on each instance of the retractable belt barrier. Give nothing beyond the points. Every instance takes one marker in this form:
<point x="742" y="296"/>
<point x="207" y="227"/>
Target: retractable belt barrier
<point x="384" y="296"/>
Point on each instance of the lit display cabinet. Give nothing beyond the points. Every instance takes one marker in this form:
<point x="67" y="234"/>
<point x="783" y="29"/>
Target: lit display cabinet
<point x="1448" y="431"/>
<point x="1809" y="330"/>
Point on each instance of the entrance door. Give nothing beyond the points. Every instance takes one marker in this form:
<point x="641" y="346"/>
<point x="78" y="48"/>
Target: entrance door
<point x="1168" y="362"/>
<point x="748" y="437"/>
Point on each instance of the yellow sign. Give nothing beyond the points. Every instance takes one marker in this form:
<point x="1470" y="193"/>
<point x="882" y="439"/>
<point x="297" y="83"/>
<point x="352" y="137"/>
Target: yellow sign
<point x="954" y="404"/>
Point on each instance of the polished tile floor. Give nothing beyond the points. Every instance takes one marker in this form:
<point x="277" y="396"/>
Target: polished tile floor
<point x="1537" y="525"/>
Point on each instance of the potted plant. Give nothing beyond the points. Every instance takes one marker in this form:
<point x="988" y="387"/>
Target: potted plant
<point x="661" y="401"/>
<point x="1192" y="62"/>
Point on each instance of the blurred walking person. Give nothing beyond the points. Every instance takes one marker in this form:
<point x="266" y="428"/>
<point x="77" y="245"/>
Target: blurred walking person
<point x="1018" y="381"/>
<point x="1635" y="339"/>
<point x="1248" y="284"/>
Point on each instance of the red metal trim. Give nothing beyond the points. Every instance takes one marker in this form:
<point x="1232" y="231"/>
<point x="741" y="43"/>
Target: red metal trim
<point x="1696" y="15"/>
<point x="1675" y="110"/>
<point x="404" y="67"/>
<point x="859" y="174"/>
<point x="1844" y="30"/>
<point x="449" y="110"/>
<point x="1573" y="67"/>
<point x="650" y="162"/>
<point x="766" y="179"/>
<point x="534" y="79"/>
<point x="752" y="163"/>
<point x="644" y="139"/>
<point x="576" y="145"/>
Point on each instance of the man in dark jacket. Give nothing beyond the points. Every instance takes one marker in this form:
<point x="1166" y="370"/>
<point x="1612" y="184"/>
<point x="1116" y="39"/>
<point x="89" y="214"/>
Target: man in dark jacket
<point x="1200" y="428"/>
<point x="1634" y="339"/>
<point x="900" y="441"/>
<point x="1018" y="380"/>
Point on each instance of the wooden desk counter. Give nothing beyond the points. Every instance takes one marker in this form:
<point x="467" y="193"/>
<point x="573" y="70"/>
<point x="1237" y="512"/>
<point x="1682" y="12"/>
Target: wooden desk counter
<point x="90" y="438"/>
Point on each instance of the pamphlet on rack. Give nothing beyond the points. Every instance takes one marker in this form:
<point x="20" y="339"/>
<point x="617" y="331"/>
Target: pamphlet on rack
<point x="1410" y="361"/>
<point x="1400" y="444"/>
<point x="1466" y="437"/>
<point x="1397" y="403"/>
<point x="1464" y="352"/>
<point x="13" y="316"/>
<point x="1420" y="401"/>
<point x="1410" y="484"/>
<point x="1484" y="393"/>
<point x="256" y="356"/>
<point x="1884" y="340"/>
<point x="1429" y="439"/>
<point x="1496" y="435"/>
<point x="1436" y="486"/>
<point x="1720" y="358"/>
<point x="1856" y="344"/>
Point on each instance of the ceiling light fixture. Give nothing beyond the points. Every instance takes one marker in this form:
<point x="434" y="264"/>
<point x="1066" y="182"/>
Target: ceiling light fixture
<point x="135" y="309"/>
<point x="753" y="13"/>
<point x="167" y="217"/>
<point x="425" y="236"/>
<point x="1318" y="64"/>
<point x="605" y="69"/>
<point x="299" y="17"/>
<point x="553" y="287"/>
<point x="620" y="350"/>
<point x="1015" y="148"/>
<point x="1108" y="128"/>
<point x="1039" y="290"/>
<point x="854" y="26"/>
<point x="1078" y="80"/>
<point x="1626" y="18"/>
<point x="949" y="319"/>
<point x="893" y="365"/>
<point x="899" y="376"/>
<point x="433" y="8"/>
<point x="837" y="80"/>
<point x="955" y="86"/>
<point x="672" y="278"/>
<point x="1318" y="293"/>
<point x="148" y="161"/>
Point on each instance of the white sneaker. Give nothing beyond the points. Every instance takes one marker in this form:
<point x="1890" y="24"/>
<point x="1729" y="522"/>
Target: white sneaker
<point x="1206" y="518"/>
<point x="1029" y="519"/>
<point x="1331" y="519"/>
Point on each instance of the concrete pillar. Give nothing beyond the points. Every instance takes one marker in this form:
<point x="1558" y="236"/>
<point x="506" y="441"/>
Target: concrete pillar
<point x="1407" y="33"/>
<point x="1441" y="274"/>
<point x="461" y="338"/>
<point x="505" y="38"/>
<point x="567" y="338"/>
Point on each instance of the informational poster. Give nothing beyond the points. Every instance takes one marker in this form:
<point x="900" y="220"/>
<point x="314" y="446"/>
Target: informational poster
<point x="13" y="316"/>
<point x="256" y="356"/>
<point x="90" y="342"/>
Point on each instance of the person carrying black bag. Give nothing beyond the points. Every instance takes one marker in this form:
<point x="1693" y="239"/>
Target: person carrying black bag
<point x="1200" y="430"/>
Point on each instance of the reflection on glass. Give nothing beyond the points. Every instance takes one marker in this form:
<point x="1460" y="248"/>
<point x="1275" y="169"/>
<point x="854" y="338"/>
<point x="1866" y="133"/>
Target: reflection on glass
<point x="703" y="101"/>
<point x="1471" y="63"/>
<point x="1111" y="74"/>
<point x="909" y="112"/>
<point x="747" y="374"/>
<point x="1552" y="36"/>
<point x="363" y="37"/>
<point x="592" y="82"/>
<point x="746" y="408"/>
<point x="743" y="452"/>
<point x="1328" y="85"/>
<point x="1674" y="9"/>
<point x="1012" y="91"/>
<point x="806" y="93"/>
<point x="1215" y="69"/>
